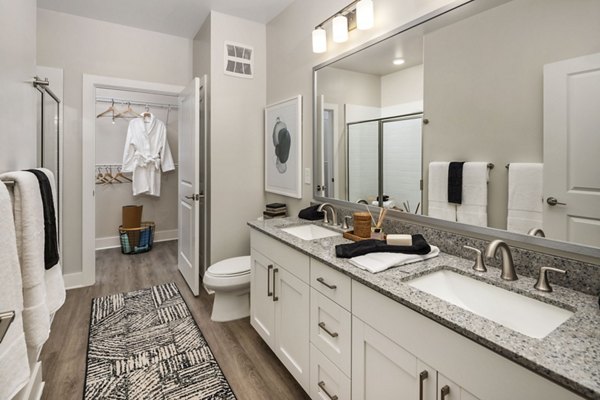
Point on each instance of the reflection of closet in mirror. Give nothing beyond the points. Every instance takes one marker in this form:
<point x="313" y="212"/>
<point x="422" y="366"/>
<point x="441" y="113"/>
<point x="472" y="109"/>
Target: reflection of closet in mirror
<point x="112" y="191"/>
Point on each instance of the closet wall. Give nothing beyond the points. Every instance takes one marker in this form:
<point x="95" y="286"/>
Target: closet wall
<point x="110" y="141"/>
<point x="82" y="45"/>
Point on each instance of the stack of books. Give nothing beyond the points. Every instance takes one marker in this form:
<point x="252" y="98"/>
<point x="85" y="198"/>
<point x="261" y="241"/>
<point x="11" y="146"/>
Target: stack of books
<point x="275" y="210"/>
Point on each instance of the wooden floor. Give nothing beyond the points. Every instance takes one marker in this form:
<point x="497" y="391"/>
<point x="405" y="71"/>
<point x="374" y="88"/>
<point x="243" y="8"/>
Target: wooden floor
<point x="252" y="369"/>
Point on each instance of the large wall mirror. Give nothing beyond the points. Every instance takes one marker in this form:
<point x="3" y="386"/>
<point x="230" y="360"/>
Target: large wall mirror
<point x="499" y="82"/>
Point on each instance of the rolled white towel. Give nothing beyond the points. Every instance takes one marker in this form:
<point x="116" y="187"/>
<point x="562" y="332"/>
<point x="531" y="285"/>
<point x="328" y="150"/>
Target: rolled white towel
<point x="14" y="367"/>
<point x="377" y="262"/>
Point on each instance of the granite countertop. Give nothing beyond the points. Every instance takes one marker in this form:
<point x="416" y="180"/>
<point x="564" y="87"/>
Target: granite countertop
<point x="569" y="355"/>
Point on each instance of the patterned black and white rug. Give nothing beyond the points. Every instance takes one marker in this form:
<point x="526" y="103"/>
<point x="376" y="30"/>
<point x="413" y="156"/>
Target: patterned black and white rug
<point x="146" y="345"/>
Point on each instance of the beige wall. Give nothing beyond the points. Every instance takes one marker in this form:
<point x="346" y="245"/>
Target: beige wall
<point x="82" y="45"/>
<point x="17" y="68"/>
<point x="405" y="86"/>
<point x="236" y="133"/>
<point x="483" y="84"/>
<point x="290" y="58"/>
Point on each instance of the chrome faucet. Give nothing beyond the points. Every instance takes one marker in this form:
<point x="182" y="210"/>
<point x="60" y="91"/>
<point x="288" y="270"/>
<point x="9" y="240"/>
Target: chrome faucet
<point x="508" y="267"/>
<point x="536" y="232"/>
<point x="323" y="207"/>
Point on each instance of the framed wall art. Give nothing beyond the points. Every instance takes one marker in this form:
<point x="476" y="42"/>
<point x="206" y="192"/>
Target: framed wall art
<point x="283" y="147"/>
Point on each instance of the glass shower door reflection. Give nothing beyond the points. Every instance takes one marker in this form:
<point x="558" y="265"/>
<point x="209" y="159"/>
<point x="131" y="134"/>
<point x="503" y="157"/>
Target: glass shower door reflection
<point x="363" y="161"/>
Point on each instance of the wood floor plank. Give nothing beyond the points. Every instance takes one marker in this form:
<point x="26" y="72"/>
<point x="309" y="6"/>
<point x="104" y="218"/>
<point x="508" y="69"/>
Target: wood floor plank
<point x="252" y="369"/>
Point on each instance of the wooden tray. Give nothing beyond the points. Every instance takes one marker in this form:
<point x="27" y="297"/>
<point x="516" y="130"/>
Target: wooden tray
<point x="351" y="236"/>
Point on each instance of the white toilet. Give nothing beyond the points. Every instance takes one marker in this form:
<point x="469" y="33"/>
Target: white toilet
<point x="230" y="280"/>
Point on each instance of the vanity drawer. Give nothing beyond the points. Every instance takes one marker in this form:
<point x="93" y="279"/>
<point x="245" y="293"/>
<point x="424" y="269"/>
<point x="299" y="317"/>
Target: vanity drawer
<point x="292" y="260"/>
<point x="332" y="283"/>
<point x="326" y="380"/>
<point x="331" y="330"/>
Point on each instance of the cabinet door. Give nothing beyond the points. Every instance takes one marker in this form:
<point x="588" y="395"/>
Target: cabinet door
<point x="382" y="370"/>
<point x="292" y="300"/>
<point x="448" y="390"/>
<point x="262" y="307"/>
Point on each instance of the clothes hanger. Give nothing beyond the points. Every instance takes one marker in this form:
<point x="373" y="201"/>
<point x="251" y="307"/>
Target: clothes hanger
<point x="147" y="113"/>
<point x="120" y="175"/>
<point x="109" y="110"/>
<point x="129" y="110"/>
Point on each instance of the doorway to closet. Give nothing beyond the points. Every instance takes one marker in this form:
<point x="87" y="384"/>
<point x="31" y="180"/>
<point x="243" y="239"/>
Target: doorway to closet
<point x="180" y="212"/>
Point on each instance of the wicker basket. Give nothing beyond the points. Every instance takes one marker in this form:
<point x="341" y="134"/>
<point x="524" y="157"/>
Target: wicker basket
<point x="137" y="240"/>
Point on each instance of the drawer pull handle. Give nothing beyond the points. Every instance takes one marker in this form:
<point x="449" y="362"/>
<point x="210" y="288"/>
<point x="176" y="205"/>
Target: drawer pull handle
<point x="445" y="391"/>
<point x="269" y="269"/>
<point x="275" y="298"/>
<point x="322" y="281"/>
<point x="422" y="376"/>
<point x="332" y="334"/>
<point x="322" y="387"/>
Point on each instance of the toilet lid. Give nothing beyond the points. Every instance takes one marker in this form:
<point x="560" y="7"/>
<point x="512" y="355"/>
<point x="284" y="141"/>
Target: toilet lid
<point x="231" y="267"/>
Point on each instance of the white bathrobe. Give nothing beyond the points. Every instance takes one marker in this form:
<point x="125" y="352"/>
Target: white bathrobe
<point x="146" y="153"/>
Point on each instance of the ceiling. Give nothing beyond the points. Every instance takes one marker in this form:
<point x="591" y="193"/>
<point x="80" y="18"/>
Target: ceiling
<point x="174" y="17"/>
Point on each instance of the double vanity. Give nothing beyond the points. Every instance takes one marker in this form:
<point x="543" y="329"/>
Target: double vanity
<point x="435" y="329"/>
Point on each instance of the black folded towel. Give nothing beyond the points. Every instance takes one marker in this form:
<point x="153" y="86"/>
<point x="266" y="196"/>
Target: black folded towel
<point x="50" y="237"/>
<point x="455" y="178"/>
<point x="311" y="213"/>
<point x="419" y="246"/>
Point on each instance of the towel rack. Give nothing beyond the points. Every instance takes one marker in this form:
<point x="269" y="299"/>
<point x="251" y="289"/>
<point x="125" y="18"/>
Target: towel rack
<point x="8" y="182"/>
<point x="491" y="165"/>
<point x="6" y="318"/>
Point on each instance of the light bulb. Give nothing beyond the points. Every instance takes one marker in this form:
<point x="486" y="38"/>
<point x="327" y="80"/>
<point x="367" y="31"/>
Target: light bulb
<point x="364" y="14"/>
<point x="398" y="61"/>
<point x="340" y="29"/>
<point x="319" y="40"/>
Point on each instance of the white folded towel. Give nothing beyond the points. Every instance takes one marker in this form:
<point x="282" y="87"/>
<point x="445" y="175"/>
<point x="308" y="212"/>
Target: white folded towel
<point x="14" y="367"/>
<point x="55" y="284"/>
<point x="29" y="228"/>
<point x="438" y="192"/>
<point x="525" y="195"/>
<point x="377" y="262"/>
<point x="473" y="210"/>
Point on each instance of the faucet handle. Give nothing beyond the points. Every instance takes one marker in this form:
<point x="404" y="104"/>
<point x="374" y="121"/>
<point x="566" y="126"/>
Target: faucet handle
<point x="345" y="222"/>
<point x="479" y="264"/>
<point x="542" y="282"/>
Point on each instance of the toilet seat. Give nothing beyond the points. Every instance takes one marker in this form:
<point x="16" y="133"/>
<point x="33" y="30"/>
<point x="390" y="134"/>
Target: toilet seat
<point x="231" y="267"/>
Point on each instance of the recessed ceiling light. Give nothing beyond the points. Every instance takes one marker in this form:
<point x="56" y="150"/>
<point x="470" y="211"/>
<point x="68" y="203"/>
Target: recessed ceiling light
<point x="398" y="61"/>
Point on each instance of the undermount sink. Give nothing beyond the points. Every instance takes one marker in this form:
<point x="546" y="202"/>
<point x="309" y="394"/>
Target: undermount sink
<point x="512" y="310"/>
<point x="310" y="232"/>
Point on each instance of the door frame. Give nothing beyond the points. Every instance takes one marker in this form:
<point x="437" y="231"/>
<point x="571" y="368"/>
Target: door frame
<point x="87" y="276"/>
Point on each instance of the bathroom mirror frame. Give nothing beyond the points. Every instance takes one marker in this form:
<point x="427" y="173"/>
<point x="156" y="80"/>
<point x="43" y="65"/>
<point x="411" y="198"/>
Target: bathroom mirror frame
<point x="575" y="250"/>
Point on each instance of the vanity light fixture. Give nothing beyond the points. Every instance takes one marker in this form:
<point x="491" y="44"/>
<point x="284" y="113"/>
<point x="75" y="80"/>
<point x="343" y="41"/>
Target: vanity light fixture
<point x="358" y="14"/>
<point x="398" y="61"/>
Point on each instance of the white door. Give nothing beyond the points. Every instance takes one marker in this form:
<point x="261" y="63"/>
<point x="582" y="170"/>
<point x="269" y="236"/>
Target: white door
<point x="571" y="149"/>
<point x="192" y="168"/>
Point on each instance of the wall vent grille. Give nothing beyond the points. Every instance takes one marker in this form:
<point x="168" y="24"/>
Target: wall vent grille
<point x="239" y="60"/>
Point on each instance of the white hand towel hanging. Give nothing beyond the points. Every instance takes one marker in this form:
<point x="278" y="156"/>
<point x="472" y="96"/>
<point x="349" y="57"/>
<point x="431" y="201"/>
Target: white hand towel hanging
<point x="29" y="228"/>
<point x="14" y="366"/>
<point x="146" y="153"/>
<point x="524" y="196"/>
<point x="473" y="209"/>
<point x="438" y="192"/>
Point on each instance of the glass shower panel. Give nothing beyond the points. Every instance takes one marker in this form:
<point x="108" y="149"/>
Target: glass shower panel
<point x="402" y="162"/>
<point x="363" y="160"/>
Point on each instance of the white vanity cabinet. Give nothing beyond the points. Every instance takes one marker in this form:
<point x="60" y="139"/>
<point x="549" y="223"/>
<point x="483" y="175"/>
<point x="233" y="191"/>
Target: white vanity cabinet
<point x="280" y="301"/>
<point x="388" y="336"/>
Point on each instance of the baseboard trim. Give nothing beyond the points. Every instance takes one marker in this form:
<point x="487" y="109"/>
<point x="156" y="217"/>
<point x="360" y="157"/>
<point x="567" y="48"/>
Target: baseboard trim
<point x="112" y="242"/>
<point x="77" y="280"/>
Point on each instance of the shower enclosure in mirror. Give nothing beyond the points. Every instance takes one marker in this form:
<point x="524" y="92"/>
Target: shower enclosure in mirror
<point x="476" y="74"/>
